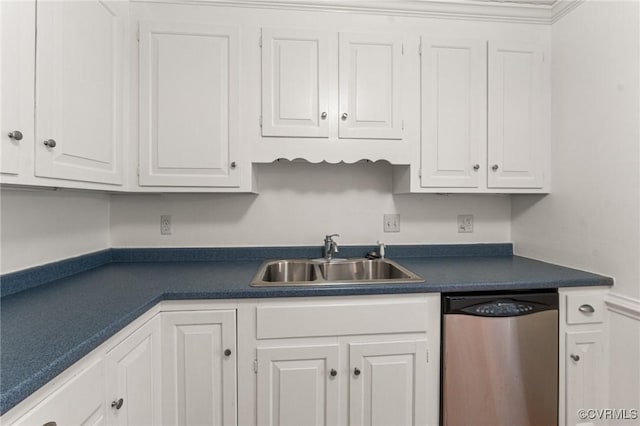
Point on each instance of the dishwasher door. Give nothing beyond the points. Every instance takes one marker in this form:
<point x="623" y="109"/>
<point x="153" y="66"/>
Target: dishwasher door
<point x="500" y="360"/>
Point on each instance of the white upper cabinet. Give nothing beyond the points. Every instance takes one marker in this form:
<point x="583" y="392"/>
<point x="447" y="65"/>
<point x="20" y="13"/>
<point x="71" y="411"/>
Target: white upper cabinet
<point x="295" y="83"/>
<point x="189" y="105"/>
<point x="517" y="115"/>
<point x="79" y="91"/>
<point x="17" y="32"/>
<point x="370" y="78"/>
<point x="454" y="96"/>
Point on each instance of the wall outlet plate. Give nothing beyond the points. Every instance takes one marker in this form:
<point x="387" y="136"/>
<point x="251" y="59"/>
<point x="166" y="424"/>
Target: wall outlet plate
<point x="391" y="223"/>
<point x="465" y="223"/>
<point x="165" y="224"/>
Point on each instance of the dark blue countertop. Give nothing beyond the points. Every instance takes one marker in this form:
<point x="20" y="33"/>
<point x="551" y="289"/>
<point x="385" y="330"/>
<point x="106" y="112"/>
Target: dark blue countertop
<point x="46" y="328"/>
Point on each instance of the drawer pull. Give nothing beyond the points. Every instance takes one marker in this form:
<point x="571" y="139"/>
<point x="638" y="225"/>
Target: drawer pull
<point x="117" y="404"/>
<point x="50" y="424"/>
<point x="574" y="357"/>
<point x="586" y="309"/>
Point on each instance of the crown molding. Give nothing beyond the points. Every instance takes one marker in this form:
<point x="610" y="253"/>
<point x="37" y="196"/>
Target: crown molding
<point x="499" y="11"/>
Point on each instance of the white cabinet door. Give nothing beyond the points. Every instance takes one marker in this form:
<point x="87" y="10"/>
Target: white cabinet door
<point x="584" y="374"/>
<point x="388" y="383"/>
<point x="199" y="368"/>
<point x="295" y="86"/>
<point x="17" y="46"/>
<point x="454" y="97"/>
<point x="80" y="401"/>
<point x="133" y="378"/>
<point x="516" y="116"/>
<point x="296" y="386"/>
<point x="79" y="91"/>
<point x="189" y="91"/>
<point x="370" y="85"/>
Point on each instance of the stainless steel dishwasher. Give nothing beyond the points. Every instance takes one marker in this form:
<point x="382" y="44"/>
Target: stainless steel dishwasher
<point x="500" y="359"/>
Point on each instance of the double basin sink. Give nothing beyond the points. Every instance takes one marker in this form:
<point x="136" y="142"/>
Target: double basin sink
<point x="305" y="272"/>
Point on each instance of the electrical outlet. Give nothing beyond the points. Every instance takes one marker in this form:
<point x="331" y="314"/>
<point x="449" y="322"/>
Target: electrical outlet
<point x="391" y="222"/>
<point x="465" y="223"/>
<point x="165" y="224"/>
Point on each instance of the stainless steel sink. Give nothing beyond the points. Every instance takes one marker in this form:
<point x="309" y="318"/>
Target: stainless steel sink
<point x="301" y="272"/>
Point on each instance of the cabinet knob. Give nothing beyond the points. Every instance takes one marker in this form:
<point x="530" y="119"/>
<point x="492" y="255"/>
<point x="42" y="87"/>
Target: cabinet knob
<point x="323" y="115"/>
<point x="575" y="357"/>
<point x="356" y="371"/>
<point x="345" y="115"/>
<point x="233" y="165"/>
<point x="476" y="166"/>
<point x="494" y="167"/>
<point x="333" y="372"/>
<point x="50" y="143"/>
<point x="117" y="404"/>
<point x="227" y="352"/>
<point x="16" y="135"/>
<point x="586" y="309"/>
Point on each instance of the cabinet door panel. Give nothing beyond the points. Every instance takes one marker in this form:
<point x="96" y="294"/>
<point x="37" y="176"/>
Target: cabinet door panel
<point x="79" y="91"/>
<point x="370" y="82"/>
<point x="80" y="401"/>
<point x="295" y="90"/>
<point x="199" y="378"/>
<point x="453" y="112"/>
<point x="133" y="375"/>
<point x="188" y="105"/>
<point x="516" y="116"/>
<point x="391" y="387"/>
<point x="583" y="375"/>
<point x="17" y="44"/>
<point x="295" y="386"/>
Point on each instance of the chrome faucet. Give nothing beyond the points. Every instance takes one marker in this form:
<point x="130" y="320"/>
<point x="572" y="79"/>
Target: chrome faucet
<point x="330" y="247"/>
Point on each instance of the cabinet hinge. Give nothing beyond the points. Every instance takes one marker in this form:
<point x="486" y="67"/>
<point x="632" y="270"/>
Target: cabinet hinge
<point x="260" y="121"/>
<point x="138" y="34"/>
<point x="255" y="366"/>
<point x="138" y="170"/>
<point x="427" y="357"/>
<point x="403" y="125"/>
<point x="402" y="49"/>
<point x="420" y="173"/>
<point x="420" y="49"/>
<point x="260" y="42"/>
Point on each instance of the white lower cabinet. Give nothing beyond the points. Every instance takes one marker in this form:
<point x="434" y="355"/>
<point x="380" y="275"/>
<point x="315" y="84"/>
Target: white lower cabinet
<point x="348" y="360"/>
<point x="583" y="359"/>
<point x="133" y="379"/>
<point x="388" y="383"/>
<point x="199" y="368"/>
<point x="298" y="385"/>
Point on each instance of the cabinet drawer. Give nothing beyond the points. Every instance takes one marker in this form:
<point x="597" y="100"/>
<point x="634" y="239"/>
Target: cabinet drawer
<point x="341" y="318"/>
<point x="585" y="308"/>
<point x="80" y="400"/>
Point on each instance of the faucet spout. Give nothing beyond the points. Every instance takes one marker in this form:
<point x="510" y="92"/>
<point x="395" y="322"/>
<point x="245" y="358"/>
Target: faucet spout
<point x="330" y="246"/>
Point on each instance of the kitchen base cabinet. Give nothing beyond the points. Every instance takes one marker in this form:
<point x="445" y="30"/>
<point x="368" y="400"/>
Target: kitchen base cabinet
<point x="199" y="368"/>
<point x="388" y="383"/>
<point x="298" y="385"/>
<point x="133" y="378"/>
<point x="348" y="360"/>
<point x="583" y="359"/>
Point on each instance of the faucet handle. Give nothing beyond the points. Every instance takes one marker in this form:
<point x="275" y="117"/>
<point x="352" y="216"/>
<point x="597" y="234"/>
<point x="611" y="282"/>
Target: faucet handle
<point x="330" y="237"/>
<point x="381" y="248"/>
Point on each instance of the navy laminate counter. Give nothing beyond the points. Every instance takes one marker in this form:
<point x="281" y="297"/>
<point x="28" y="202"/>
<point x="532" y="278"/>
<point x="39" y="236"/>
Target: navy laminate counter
<point x="45" y="329"/>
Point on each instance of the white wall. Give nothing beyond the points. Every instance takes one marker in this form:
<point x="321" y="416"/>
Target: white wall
<point x="41" y="226"/>
<point x="298" y="204"/>
<point x="592" y="218"/>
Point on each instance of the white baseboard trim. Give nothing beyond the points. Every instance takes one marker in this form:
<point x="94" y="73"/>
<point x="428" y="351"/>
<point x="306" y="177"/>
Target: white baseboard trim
<point x="623" y="305"/>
